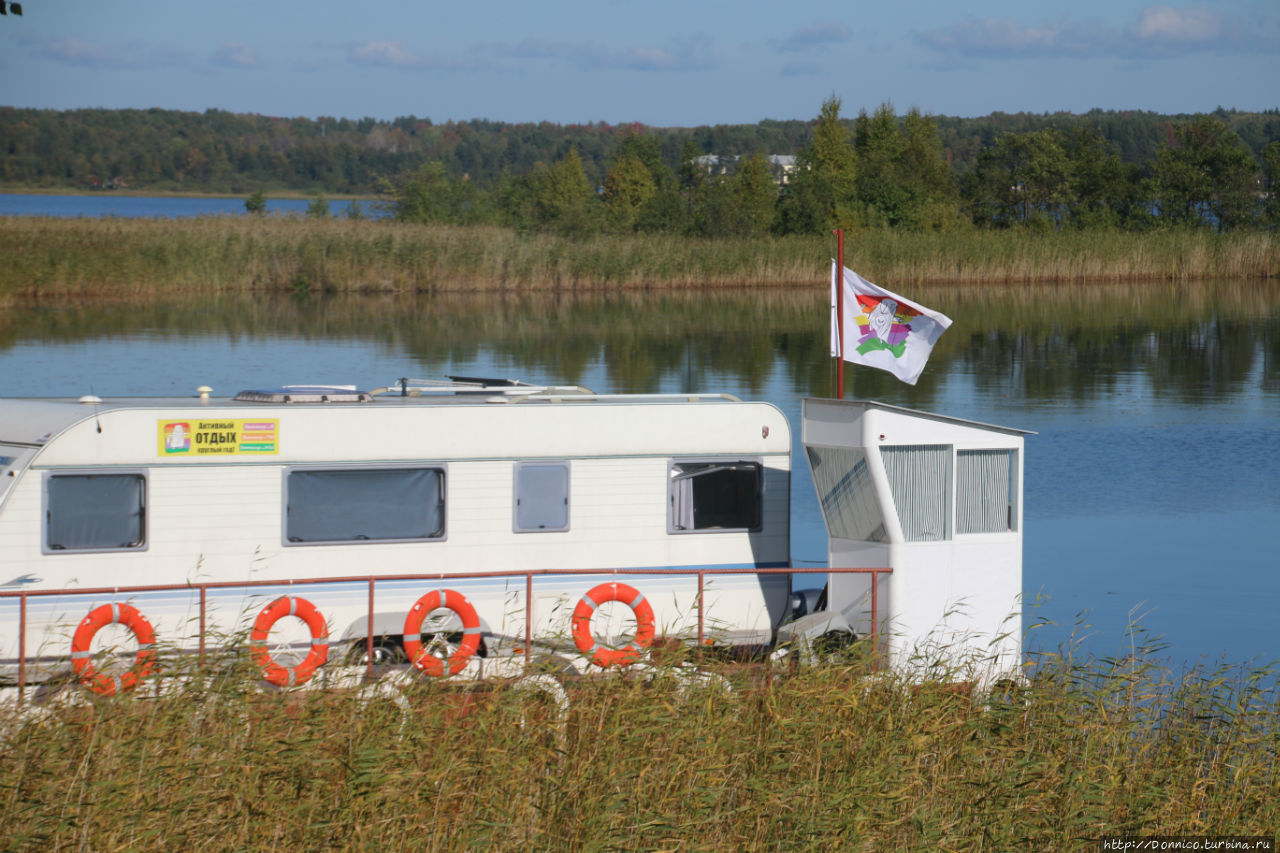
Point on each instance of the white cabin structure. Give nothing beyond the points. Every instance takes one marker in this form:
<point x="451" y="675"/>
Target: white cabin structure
<point x="938" y="499"/>
<point x="292" y="485"/>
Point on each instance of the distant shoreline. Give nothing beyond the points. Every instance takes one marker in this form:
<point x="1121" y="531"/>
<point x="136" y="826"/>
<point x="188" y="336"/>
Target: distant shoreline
<point x="293" y="195"/>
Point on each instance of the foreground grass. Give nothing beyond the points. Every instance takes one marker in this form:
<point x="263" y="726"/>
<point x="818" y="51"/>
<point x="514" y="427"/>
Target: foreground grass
<point x="46" y="257"/>
<point x="819" y="759"/>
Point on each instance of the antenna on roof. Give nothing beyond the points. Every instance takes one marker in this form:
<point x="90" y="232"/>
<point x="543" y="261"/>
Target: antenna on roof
<point x="93" y="398"/>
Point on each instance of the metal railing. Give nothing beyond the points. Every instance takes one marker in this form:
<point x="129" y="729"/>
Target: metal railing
<point x="372" y="581"/>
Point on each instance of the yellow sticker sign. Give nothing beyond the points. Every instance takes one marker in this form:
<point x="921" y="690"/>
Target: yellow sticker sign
<point x="219" y="438"/>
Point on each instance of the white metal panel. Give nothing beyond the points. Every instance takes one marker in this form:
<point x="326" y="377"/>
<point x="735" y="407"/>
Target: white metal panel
<point x="370" y="432"/>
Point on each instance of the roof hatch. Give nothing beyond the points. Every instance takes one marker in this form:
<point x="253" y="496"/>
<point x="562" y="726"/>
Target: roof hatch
<point x="305" y="394"/>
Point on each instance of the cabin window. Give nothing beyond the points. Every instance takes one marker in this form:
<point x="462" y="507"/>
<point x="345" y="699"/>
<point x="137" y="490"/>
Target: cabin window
<point x="846" y="493"/>
<point x="94" y="512"/>
<point x="541" y="497"/>
<point x="714" y="496"/>
<point x="986" y="496"/>
<point x="920" y="482"/>
<point x="357" y="505"/>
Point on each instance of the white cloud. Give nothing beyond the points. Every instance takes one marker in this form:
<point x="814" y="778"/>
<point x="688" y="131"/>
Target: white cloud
<point x="236" y="55"/>
<point x="818" y="35"/>
<point x="395" y="54"/>
<point x="389" y="54"/>
<point x="1003" y="38"/>
<point x="1158" y="32"/>
<point x="89" y="54"/>
<point x="690" y="54"/>
<point x="1194" y="24"/>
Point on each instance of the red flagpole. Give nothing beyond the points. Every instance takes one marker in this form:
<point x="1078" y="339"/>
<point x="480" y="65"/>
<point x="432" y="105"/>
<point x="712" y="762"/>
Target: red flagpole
<point x="839" y="232"/>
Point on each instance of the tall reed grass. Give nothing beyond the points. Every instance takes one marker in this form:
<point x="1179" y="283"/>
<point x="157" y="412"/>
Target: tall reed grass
<point x="828" y="758"/>
<point x="47" y="257"/>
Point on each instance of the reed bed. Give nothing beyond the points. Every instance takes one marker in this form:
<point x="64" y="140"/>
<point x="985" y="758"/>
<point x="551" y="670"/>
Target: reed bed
<point x="46" y="257"/>
<point x="833" y="757"/>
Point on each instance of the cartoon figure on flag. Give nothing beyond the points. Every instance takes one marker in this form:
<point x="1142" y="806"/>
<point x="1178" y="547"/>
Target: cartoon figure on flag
<point x="883" y="329"/>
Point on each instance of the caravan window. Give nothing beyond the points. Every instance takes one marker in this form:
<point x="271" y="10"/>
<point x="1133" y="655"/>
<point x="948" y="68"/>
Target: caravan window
<point x="846" y="493"/>
<point x="920" y="481"/>
<point x="714" y="496"/>
<point x="6" y="462"/>
<point x="986" y="495"/>
<point x="94" y="512"/>
<point x="356" y="505"/>
<point x="541" y="497"/>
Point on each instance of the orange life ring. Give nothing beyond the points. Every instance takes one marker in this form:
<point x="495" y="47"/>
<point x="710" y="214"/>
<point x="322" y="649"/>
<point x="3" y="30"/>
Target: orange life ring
<point x="602" y="656"/>
<point x="283" y="606"/>
<point x="434" y="600"/>
<point x="82" y="658"/>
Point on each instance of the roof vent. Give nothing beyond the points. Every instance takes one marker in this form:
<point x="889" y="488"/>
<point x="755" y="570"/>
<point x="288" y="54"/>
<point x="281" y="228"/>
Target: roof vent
<point x="305" y="394"/>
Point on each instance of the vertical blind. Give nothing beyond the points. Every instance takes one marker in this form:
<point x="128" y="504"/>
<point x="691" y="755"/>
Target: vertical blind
<point x="984" y="491"/>
<point x="919" y="478"/>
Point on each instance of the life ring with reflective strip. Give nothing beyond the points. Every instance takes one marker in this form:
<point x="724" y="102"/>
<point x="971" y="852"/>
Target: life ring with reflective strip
<point x="289" y="605"/>
<point x="600" y="655"/>
<point x="422" y="658"/>
<point x="82" y="659"/>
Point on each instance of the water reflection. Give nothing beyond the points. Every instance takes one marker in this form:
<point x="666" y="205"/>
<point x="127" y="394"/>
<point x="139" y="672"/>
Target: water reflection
<point x="1191" y="344"/>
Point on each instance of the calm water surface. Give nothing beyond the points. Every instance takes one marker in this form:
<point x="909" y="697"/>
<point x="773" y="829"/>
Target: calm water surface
<point x="1153" y="484"/>
<point x="114" y="203"/>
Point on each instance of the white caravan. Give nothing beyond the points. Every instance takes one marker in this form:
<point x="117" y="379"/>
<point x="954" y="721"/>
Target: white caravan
<point x="283" y="487"/>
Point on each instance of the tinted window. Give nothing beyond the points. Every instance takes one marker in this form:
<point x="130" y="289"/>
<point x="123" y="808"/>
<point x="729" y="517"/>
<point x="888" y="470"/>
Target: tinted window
<point x="94" y="511"/>
<point x="359" y="505"/>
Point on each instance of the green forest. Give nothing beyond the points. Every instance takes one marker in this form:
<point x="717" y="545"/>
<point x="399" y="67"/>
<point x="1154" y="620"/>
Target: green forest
<point x="1125" y="170"/>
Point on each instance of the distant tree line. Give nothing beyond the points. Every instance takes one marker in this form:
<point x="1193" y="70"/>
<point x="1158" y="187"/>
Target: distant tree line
<point x="883" y="170"/>
<point x="1101" y="169"/>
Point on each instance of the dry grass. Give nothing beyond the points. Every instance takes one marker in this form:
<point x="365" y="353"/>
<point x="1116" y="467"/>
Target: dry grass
<point x="46" y="257"/>
<point x="822" y="759"/>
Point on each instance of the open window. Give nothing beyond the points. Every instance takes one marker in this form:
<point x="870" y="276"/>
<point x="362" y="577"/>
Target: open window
<point x="9" y="460"/>
<point x="541" y="497"/>
<point x="719" y="496"/>
<point x="95" y="512"/>
<point x="363" y="504"/>
<point x="846" y="493"/>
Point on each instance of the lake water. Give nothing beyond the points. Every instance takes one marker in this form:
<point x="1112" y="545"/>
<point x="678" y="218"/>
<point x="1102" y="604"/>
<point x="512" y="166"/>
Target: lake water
<point x="114" y="203"/>
<point x="1153" y="483"/>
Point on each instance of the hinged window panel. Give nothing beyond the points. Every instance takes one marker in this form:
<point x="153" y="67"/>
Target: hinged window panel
<point x="541" y="497"/>
<point x="706" y="496"/>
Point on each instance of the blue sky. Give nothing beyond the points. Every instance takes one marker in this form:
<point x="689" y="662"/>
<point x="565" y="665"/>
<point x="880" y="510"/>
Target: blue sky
<point x="660" y="63"/>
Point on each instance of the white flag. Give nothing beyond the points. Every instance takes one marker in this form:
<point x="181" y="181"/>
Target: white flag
<point x="882" y="329"/>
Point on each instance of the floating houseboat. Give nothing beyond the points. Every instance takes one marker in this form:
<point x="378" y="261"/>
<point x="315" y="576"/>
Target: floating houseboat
<point x="497" y="518"/>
